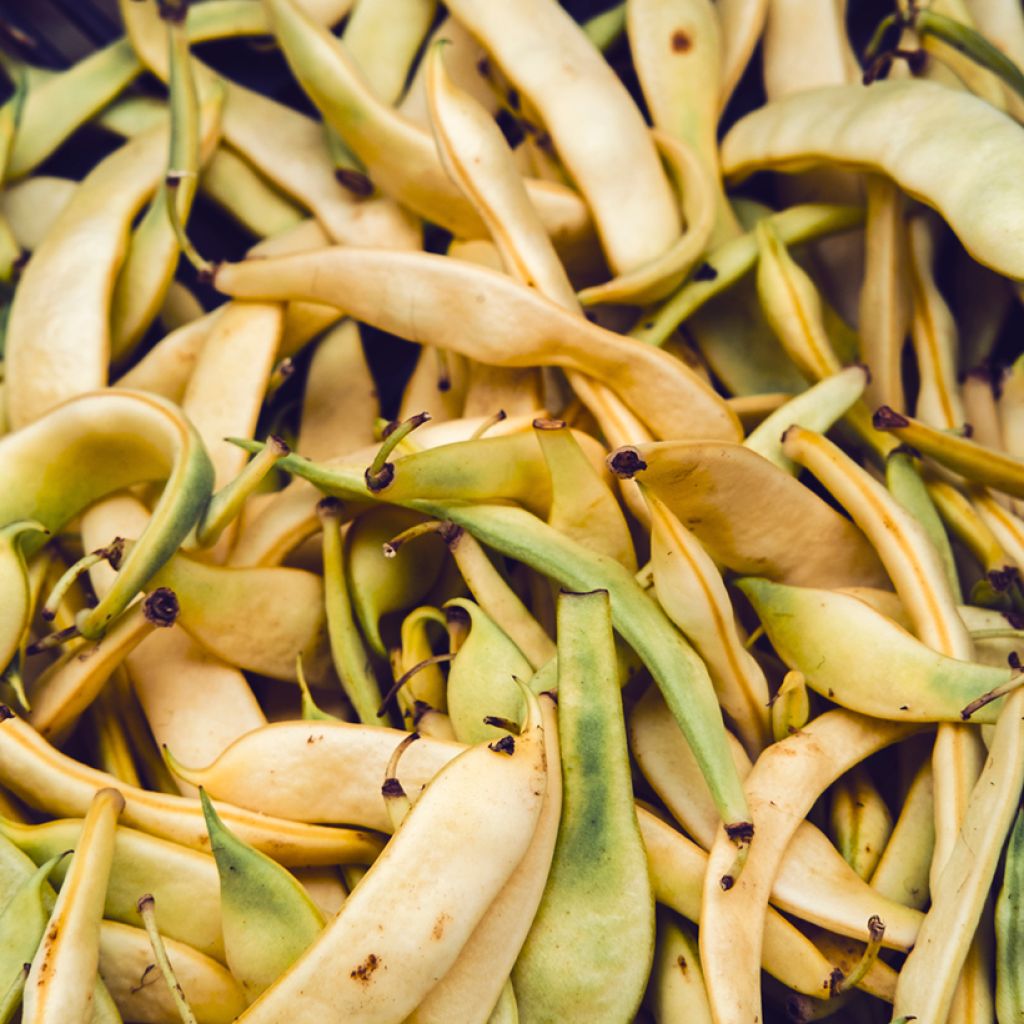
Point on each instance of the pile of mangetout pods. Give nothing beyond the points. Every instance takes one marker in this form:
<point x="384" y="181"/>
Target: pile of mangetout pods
<point x="657" y="661"/>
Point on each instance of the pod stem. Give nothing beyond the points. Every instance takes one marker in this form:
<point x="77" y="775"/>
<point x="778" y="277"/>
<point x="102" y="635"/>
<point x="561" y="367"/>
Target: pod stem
<point x="381" y="472"/>
<point x="147" y="911"/>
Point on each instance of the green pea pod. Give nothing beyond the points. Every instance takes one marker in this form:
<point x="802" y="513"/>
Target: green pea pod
<point x="92" y="446"/>
<point x="14" y="586"/>
<point x="269" y="921"/>
<point x="183" y="881"/>
<point x="23" y="921"/>
<point x="679" y="673"/>
<point x="864" y="661"/>
<point x="598" y="900"/>
<point x="972" y="44"/>
<point x="1010" y="931"/>
<point x="481" y="682"/>
<point x="379" y="584"/>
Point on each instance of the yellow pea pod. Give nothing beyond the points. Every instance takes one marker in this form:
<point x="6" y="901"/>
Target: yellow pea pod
<point x="17" y="598"/>
<point x="97" y="444"/>
<point x="849" y="653"/>
<point x="860" y="820"/>
<point x="790" y="709"/>
<point x="45" y="778"/>
<point x="267" y="919"/>
<point x="939" y="128"/>
<point x="125" y="957"/>
<point x="928" y="979"/>
<point x="456" y="306"/>
<point x="403" y="925"/>
<point x="59" y="984"/>
<point x="783" y="785"/>
<point x="183" y="881"/>
<point x="308" y="752"/>
<point x="676" y="990"/>
<point x="709" y="486"/>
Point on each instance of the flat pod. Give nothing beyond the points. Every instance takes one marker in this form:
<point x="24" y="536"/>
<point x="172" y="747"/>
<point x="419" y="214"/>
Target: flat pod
<point x="750" y="515"/>
<point x="943" y="146"/>
<point x="863" y="661"/>
<point x="486" y="316"/>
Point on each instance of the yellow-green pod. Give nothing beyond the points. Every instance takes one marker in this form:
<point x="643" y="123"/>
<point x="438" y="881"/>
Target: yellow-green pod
<point x="676" y="994"/>
<point x="1010" y="931"/>
<point x="268" y="919"/>
<point x="790" y="707"/>
<point x="481" y="683"/>
<point x="15" y="595"/>
<point x="597" y="908"/>
<point x="379" y="584"/>
<point x="861" y="821"/>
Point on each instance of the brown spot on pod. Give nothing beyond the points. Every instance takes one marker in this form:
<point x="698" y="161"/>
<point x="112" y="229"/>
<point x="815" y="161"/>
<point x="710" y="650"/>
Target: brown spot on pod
<point x="506" y="745"/>
<point x="681" y="41"/>
<point x="740" y="831"/>
<point x="366" y="968"/>
<point x="392" y="788"/>
<point x="355" y="181"/>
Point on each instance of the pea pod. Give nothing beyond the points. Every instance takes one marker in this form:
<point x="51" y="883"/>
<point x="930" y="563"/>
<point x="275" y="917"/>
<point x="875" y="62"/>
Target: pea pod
<point x="97" y="444"/>
<point x="1010" y="930"/>
<point x="268" y="920"/>
<point x="857" y="657"/>
<point x="939" y="128"/>
<point x="598" y="900"/>
<point x="183" y="881"/>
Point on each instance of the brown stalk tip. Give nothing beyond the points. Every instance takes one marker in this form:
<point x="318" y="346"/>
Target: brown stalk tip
<point x="876" y="927"/>
<point x="451" y="533"/>
<point x="506" y="745"/>
<point x="545" y="424"/>
<point x="726" y="882"/>
<point x="866" y="369"/>
<point x="887" y="418"/>
<point x="740" y="831"/>
<point x="626" y="462"/>
<point x="6" y="712"/>
<point x="355" y="181"/>
<point x="328" y="508"/>
<point x="161" y="607"/>
<point x="279" y="444"/>
<point x="419" y="709"/>
<point x="392" y="788"/>
<point x="455" y="614"/>
<point x="376" y="482"/>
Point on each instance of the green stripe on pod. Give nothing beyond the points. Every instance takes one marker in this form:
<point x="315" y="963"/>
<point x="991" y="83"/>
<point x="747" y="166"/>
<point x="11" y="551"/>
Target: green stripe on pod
<point x="1010" y="931"/>
<point x="268" y="919"/>
<point x="589" y="952"/>
<point x="92" y="446"/>
<point x="864" y="661"/>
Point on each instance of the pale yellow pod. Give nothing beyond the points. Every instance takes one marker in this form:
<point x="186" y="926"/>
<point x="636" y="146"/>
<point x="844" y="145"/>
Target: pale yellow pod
<point x="32" y="206"/>
<point x="885" y="295"/>
<point x="913" y="131"/>
<point x="279" y="769"/>
<point x="565" y="78"/>
<point x="934" y="334"/>
<point x="59" y="988"/>
<point x="58" y="335"/>
<point x="742" y="22"/>
<point x="690" y="588"/>
<point x="429" y="299"/>
<point x="928" y="979"/>
<point x="861" y="821"/>
<point x="471" y="986"/>
<point x="383" y="37"/>
<point x="340" y="404"/>
<point x="45" y="778"/>
<point x="284" y="145"/>
<point x="814" y="882"/>
<point x="781" y="788"/>
<point x="406" y="921"/>
<point x="126" y="959"/>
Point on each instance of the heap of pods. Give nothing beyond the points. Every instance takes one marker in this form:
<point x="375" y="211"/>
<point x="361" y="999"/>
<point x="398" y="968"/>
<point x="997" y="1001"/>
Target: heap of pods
<point x="656" y="660"/>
